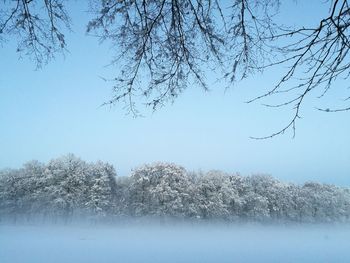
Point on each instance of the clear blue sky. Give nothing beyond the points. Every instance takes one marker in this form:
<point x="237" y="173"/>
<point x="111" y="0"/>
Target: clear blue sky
<point x="56" y="110"/>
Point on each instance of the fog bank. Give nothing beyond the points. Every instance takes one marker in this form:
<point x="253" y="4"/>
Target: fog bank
<point x="176" y="243"/>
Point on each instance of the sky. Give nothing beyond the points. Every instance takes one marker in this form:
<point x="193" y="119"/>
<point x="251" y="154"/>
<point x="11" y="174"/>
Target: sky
<point x="57" y="110"/>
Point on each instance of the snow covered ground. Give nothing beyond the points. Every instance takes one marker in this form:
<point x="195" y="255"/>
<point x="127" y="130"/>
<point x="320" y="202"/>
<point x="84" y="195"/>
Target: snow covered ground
<point x="85" y="244"/>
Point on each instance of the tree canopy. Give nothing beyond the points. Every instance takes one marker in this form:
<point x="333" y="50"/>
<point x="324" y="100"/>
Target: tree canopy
<point x="67" y="188"/>
<point x="163" y="47"/>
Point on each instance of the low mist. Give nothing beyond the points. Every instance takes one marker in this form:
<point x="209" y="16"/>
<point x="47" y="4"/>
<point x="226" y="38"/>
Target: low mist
<point x="168" y="242"/>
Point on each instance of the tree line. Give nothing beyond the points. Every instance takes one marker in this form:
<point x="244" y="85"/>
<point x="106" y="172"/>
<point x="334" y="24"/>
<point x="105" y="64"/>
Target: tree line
<point x="68" y="188"/>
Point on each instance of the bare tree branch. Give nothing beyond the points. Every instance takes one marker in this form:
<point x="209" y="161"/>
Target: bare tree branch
<point x="37" y="25"/>
<point x="163" y="47"/>
<point x="320" y="55"/>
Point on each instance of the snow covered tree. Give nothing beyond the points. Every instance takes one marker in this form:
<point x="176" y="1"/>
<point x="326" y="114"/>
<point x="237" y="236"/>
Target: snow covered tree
<point x="67" y="185"/>
<point x="19" y="188"/>
<point x="160" y="189"/>
<point x="216" y="196"/>
<point x="9" y="194"/>
<point x="274" y="191"/>
<point x="102" y="190"/>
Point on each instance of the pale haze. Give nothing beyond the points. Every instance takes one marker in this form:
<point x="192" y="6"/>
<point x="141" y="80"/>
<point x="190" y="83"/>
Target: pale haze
<point x="175" y="244"/>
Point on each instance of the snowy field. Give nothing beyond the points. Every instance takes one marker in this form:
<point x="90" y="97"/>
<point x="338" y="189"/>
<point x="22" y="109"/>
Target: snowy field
<point x="85" y="244"/>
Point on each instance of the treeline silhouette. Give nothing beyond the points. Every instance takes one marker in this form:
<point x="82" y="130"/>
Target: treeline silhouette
<point x="68" y="188"/>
